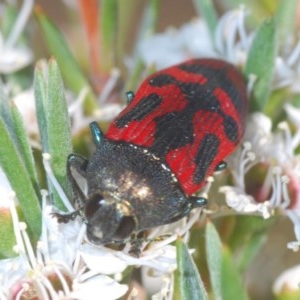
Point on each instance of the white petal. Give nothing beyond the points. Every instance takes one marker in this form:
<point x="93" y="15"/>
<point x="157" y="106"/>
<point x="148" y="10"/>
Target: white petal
<point x="98" y="287"/>
<point x="238" y="200"/>
<point x="102" y="260"/>
<point x="196" y="39"/>
<point x="258" y="121"/>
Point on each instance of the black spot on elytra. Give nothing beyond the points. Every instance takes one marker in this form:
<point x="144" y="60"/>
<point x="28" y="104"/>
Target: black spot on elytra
<point x="200" y="97"/>
<point x="231" y="128"/>
<point x="173" y="130"/>
<point x="162" y="80"/>
<point x="218" y="78"/>
<point x="206" y="153"/>
<point x="142" y="109"/>
<point x="191" y="68"/>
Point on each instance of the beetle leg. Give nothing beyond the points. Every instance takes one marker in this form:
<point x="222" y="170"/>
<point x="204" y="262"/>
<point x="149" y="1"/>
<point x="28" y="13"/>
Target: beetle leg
<point x="66" y="218"/>
<point x="129" y="96"/>
<point x="79" y="164"/>
<point x="136" y="243"/>
<point x="96" y="133"/>
<point x="197" y="201"/>
<point x="221" y="166"/>
<point x="193" y="202"/>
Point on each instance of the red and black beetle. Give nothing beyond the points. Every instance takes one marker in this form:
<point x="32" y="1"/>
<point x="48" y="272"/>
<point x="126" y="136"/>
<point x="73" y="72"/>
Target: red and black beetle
<point x="175" y="132"/>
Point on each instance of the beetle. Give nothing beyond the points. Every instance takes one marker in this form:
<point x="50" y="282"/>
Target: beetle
<point x="176" y="131"/>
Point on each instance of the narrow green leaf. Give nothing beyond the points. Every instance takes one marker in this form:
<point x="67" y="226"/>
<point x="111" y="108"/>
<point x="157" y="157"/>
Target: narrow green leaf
<point x="5" y="114"/>
<point x="232" y="287"/>
<point x="206" y="10"/>
<point x="70" y="70"/>
<point x="261" y="62"/>
<point x="53" y="120"/>
<point x="40" y="94"/>
<point x="14" y="168"/>
<point x="24" y="147"/>
<point x="214" y="259"/>
<point x="59" y="135"/>
<point x="109" y="25"/>
<point x="286" y="19"/>
<point x="188" y="283"/>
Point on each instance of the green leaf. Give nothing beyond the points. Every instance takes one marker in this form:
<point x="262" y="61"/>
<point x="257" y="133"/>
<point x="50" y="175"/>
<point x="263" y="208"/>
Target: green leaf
<point x="286" y="19"/>
<point x="24" y="147"/>
<point x="51" y="103"/>
<point x="17" y="163"/>
<point x="214" y="259"/>
<point x="206" y="10"/>
<point x="261" y="62"/>
<point x="232" y="287"/>
<point x="40" y="94"/>
<point x="70" y="70"/>
<point x="59" y="134"/>
<point x="18" y="176"/>
<point x="188" y="284"/>
<point x="109" y="18"/>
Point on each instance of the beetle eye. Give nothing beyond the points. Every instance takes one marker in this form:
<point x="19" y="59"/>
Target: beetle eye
<point x="93" y="205"/>
<point x="126" y="227"/>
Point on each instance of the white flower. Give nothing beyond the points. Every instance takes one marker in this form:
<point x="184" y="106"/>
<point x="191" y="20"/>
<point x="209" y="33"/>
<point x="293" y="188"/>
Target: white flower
<point x="231" y="42"/>
<point x="287" y="68"/>
<point x="55" y="269"/>
<point x="275" y="166"/>
<point x="177" y="46"/>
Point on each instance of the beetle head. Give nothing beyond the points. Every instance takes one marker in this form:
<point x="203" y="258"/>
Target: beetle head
<point x="107" y="220"/>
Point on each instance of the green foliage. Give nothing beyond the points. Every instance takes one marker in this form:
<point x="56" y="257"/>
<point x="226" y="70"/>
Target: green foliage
<point x="71" y="72"/>
<point x="188" y="283"/>
<point x="261" y="63"/>
<point x="53" y="120"/>
<point x="17" y="163"/>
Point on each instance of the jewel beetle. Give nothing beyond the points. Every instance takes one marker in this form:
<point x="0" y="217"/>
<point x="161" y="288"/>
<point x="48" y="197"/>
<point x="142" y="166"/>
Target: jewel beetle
<point x="176" y="131"/>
